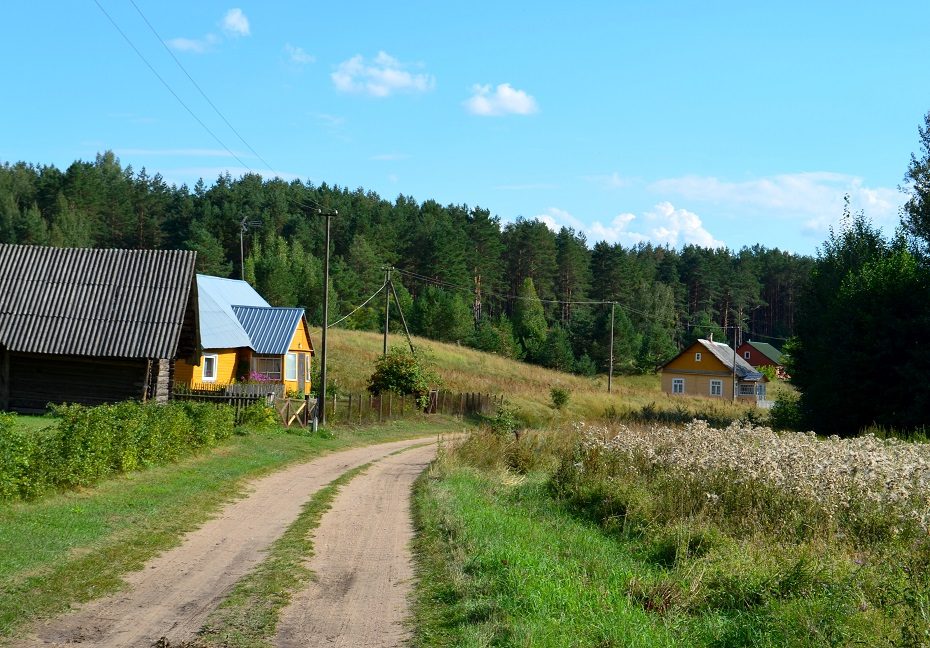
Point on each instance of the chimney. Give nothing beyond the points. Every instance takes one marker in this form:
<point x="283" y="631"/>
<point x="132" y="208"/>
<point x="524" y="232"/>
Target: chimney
<point x="711" y="336"/>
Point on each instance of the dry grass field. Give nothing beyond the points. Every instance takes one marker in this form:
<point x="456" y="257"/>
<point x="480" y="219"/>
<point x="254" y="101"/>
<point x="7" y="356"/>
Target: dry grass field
<point x="526" y="387"/>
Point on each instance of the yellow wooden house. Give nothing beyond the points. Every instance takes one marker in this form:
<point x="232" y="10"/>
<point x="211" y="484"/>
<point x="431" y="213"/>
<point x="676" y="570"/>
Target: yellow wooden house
<point x="245" y="340"/>
<point x="706" y="368"/>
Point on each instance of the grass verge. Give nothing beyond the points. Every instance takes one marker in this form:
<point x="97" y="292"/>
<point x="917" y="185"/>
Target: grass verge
<point x="505" y="560"/>
<point x="74" y="546"/>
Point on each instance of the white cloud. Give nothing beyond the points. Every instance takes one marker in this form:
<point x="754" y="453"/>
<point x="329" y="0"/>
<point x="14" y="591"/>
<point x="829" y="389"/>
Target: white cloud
<point x="814" y="199"/>
<point x="298" y="55"/>
<point x="235" y="23"/>
<point x="194" y="45"/>
<point x="381" y="77"/>
<point x="556" y="218"/>
<point x="665" y="224"/>
<point x="503" y="100"/>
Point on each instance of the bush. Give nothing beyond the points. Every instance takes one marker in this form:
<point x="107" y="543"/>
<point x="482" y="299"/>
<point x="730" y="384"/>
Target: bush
<point x="403" y="373"/>
<point x="559" y="397"/>
<point x="92" y="443"/>
<point x="258" y="415"/>
<point x="786" y="412"/>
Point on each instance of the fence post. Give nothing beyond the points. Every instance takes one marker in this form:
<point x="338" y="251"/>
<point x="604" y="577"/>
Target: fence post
<point x="390" y="405"/>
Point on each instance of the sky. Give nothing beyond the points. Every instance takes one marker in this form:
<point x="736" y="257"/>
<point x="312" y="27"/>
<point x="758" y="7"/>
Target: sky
<point x="712" y="123"/>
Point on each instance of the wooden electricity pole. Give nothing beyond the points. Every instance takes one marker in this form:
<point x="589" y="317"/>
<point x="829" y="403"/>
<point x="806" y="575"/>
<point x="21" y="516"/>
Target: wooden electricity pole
<point x="387" y="306"/>
<point x="610" y="369"/>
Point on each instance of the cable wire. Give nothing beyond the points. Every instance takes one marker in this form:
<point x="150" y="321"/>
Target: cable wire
<point x="199" y="89"/>
<point x="359" y="307"/>
<point x="168" y="87"/>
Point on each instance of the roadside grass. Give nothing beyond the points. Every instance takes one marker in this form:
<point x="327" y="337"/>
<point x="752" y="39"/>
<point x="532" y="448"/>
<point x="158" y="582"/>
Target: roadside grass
<point x="74" y="546"/>
<point x="504" y="559"/>
<point x="35" y="423"/>
<point x="527" y="387"/>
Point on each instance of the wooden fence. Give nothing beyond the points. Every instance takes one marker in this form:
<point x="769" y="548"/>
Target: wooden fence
<point x="367" y="408"/>
<point x="344" y="408"/>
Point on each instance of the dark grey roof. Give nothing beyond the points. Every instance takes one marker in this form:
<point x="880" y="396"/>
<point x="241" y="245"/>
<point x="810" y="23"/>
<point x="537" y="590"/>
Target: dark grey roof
<point x="111" y="303"/>
<point x="725" y="354"/>
<point x="271" y="329"/>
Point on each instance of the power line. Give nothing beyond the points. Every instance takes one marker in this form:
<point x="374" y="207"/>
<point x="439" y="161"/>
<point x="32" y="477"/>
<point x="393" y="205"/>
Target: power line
<point x="168" y="87"/>
<point x="199" y="89"/>
<point x="360" y="306"/>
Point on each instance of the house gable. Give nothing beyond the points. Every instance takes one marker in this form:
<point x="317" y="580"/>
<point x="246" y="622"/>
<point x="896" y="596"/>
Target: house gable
<point x="686" y="361"/>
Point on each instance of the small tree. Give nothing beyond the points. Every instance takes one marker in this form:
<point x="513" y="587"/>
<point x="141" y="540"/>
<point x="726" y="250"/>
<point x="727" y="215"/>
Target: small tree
<point x="403" y="373"/>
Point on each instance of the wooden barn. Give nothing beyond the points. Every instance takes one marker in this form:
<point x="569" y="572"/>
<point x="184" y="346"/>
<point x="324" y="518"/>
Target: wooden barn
<point x="93" y="326"/>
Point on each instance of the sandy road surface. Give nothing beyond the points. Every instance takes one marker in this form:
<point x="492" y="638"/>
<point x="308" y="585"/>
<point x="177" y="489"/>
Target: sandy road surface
<point x="362" y="563"/>
<point x="173" y="594"/>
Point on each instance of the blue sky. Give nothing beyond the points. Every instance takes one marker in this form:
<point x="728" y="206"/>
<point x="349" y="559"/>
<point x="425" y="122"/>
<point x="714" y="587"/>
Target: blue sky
<point x="674" y="122"/>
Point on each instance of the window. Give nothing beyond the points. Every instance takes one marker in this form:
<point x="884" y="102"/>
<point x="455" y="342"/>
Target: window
<point x="697" y="356"/>
<point x="747" y="389"/>
<point x="268" y="366"/>
<point x="307" y="364"/>
<point x="716" y="388"/>
<point x="678" y="385"/>
<point x="746" y="354"/>
<point x="290" y="366"/>
<point x="208" y="367"/>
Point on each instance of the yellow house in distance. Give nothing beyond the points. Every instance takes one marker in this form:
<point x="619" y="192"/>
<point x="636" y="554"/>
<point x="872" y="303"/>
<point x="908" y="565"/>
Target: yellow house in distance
<point x="245" y="340"/>
<point x="706" y="368"/>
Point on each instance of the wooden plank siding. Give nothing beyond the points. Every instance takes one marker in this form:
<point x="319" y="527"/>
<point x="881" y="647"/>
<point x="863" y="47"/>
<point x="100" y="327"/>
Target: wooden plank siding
<point x="37" y="380"/>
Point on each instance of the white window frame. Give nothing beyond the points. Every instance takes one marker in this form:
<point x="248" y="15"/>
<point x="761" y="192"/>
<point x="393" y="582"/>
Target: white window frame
<point x="204" y="377"/>
<point x="290" y="367"/>
<point x="716" y="388"/>
<point x="678" y="385"/>
<point x="697" y="356"/>
<point x="746" y="355"/>
<point x="307" y="366"/>
<point x="747" y="389"/>
<point x="270" y="366"/>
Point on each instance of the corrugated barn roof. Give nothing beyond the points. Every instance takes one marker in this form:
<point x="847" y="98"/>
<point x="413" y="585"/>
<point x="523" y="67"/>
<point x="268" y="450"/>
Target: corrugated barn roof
<point x="270" y="329"/>
<point x="90" y="302"/>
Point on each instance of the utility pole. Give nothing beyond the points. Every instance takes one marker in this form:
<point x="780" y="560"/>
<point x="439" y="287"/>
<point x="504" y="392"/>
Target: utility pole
<point x="387" y="304"/>
<point x="610" y="370"/>
<point x="735" y="329"/>
<point x="244" y="226"/>
<point x="321" y="408"/>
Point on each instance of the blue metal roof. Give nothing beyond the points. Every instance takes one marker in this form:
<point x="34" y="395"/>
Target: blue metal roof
<point x="270" y="329"/>
<point x="219" y="326"/>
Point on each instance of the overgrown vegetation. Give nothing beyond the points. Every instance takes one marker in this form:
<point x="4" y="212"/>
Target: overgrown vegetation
<point x="674" y="536"/>
<point x="91" y="443"/>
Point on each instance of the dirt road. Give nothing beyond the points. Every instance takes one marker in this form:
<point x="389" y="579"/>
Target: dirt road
<point x="173" y="594"/>
<point x="361" y="562"/>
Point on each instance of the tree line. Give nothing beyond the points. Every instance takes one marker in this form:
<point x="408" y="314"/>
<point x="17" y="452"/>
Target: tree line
<point x="861" y="348"/>
<point x="517" y="288"/>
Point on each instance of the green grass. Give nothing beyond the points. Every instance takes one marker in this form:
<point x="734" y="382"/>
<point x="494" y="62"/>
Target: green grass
<point x="498" y="567"/>
<point x="74" y="546"/>
<point x="504" y="561"/>
<point x="34" y="423"/>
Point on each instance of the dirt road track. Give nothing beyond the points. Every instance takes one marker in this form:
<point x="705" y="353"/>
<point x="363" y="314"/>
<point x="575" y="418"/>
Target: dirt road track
<point x="361" y="562"/>
<point x="173" y="594"/>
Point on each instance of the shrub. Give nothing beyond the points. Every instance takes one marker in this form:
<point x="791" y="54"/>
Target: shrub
<point x="258" y="415"/>
<point x="92" y="443"/>
<point x="559" y="397"/>
<point x="403" y="373"/>
<point x="786" y="412"/>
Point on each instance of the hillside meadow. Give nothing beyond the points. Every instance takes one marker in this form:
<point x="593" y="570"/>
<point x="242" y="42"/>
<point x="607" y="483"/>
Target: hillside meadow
<point x="527" y="388"/>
